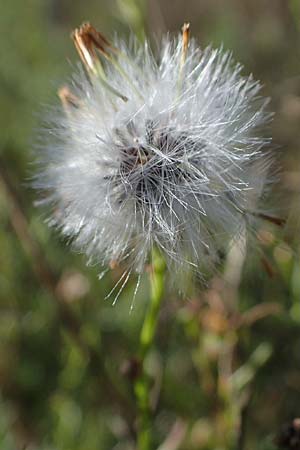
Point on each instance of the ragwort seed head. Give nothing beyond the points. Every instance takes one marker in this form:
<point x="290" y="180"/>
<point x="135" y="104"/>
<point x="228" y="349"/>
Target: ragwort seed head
<point x="148" y="150"/>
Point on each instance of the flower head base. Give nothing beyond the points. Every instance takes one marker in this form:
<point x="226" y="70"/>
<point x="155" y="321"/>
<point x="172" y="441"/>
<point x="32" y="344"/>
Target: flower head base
<point x="151" y="151"/>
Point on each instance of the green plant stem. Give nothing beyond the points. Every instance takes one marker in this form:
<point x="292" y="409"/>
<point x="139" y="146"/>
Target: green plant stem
<point x="142" y="384"/>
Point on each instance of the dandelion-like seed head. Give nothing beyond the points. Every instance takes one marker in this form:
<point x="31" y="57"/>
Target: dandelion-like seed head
<point x="157" y="150"/>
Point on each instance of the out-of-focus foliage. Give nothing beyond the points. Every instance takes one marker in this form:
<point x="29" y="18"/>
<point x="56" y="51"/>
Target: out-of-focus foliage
<point x="226" y="369"/>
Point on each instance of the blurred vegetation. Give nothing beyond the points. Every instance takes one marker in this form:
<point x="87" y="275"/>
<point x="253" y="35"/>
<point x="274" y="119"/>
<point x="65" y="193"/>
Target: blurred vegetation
<point x="226" y="368"/>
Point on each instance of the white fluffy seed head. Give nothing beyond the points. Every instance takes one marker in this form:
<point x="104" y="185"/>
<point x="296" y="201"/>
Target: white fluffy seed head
<point x="161" y="150"/>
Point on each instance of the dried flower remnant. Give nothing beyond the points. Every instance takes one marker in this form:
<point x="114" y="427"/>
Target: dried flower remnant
<point x="68" y="99"/>
<point x="87" y="41"/>
<point x="185" y="41"/>
<point x="161" y="151"/>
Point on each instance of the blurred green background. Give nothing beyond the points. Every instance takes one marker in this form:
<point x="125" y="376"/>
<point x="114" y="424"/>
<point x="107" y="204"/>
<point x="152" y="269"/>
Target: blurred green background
<point x="226" y="367"/>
